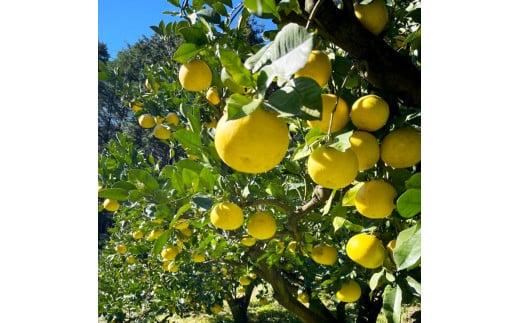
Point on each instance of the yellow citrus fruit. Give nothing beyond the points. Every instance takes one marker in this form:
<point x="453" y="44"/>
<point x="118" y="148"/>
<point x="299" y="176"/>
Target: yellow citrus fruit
<point x="391" y="245"/>
<point x="263" y="301"/>
<point x="252" y="275"/>
<point x="244" y="280"/>
<point x="212" y="95"/>
<point x="318" y="68"/>
<point x="332" y="168"/>
<point x="181" y="224"/>
<point x="373" y="16"/>
<point x="375" y="199"/>
<point x="215" y="309"/>
<point x="158" y="221"/>
<point x="161" y="132"/>
<point x="401" y="148"/>
<point x="198" y="257"/>
<point x="227" y="216"/>
<point x="303" y="298"/>
<point x="186" y="232"/>
<point x="121" y="248"/>
<point x="149" y="86"/>
<point x="349" y="291"/>
<point x="340" y="118"/>
<point x="137" y="235"/>
<point x="130" y="260"/>
<point x="169" y="253"/>
<point x="111" y="205"/>
<point x="261" y="225"/>
<point x="366" y="250"/>
<point x="292" y="246"/>
<point x="252" y="144"/>
<point x="324" y="254"/>
<point x="172" y="118"/>
<point x="195" y="75"/>
<point x="173" y="267"/>
<point x="212" y="123"/>
<point x="137" y="106"/>
<point x="146" y="121"/>
<point x="370" y="112"/>
<point x="154" y="234"/>
<point x="248" y="241"/>
<point x="241" y="289"/>
<point x="366" y="147"/>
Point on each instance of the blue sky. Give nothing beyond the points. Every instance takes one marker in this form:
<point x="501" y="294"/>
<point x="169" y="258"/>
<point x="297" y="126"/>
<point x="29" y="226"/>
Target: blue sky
<point x="122" y="22"/>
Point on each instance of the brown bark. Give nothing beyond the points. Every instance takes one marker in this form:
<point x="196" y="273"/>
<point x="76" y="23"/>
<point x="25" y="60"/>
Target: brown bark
<point x="384" y="68"/>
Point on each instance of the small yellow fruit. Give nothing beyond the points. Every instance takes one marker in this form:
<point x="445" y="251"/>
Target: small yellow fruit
<point x="156" y="233"/>
<point x="252" y="144"/>
<point x="244" y="280"/>
<point x="401" y="148"/>
<point x="318" y="68"/>
<point x="366" y="250"/>
<point x="212" y="95"/>
<point x="261" y="225"/>
<point x="137" y="106"/>
<point x="111" y="205"/>
<point x="375" y="199"/>
<point x="366" y="148"/>
<point x="195" y="75"/>
<point x="292" y="246"/>
<point x="161" y="132"/>
<point x="340" y="118"/>
<point x="173" y="267"/>
<point x="181" y="224"/>
<point x="158" y="221"/>
<point x="373" y="16"/>
<point x="172" y="118"/>
<point x="186" y="232"/>
<point x="241" y="289"/>
<point x="263" y="301"/>
<point x="349" y="291"/>
<point x="227" y="216"/>
<point x="137" y="235"/>
<point x="303" y="298"/>
<point x="391" y="245"/>
<point x="169" y="253"/>
<point x="146" y="121"/>
<point x="121" y="248"/>
<point x="198" y="257"/>
<point x="130" y="260"/>
<point x="215" y="309"/>
<point x="248" y="241"/>
<point x="149" y="86"/>
<point x="224" y="271"/>
<point x="370" y="112"/>
<point x="324" y="254"/>
<point x="332" y="168"/>
<point x="252" y="275"/>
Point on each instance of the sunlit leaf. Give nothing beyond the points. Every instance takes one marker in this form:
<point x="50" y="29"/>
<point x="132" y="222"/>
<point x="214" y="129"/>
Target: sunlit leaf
<point x="409" y="203"/>
<point x="239" y="106"/>
<point x="407" y="251"/>
<point x="114" y="194"/>
<point x="392" y="297"/>
<point x="185" y="52"/>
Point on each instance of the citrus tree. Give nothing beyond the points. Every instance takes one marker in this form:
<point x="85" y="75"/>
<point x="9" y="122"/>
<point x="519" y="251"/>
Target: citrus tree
<point x="294" y="164"/>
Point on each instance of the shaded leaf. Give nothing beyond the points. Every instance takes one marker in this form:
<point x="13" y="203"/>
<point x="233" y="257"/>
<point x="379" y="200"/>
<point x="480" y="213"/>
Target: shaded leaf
<point x="211" y="15"/>
<point x="114" y="194"/>
<point x="262" y="8"/>
<point x="376" y="279"/>
<point x="142" y="179"/>
<point x="188" y="139"/>
<point x="414" y="181"/>
<point x="392" y="297"/>
<point x="161" y="241"/>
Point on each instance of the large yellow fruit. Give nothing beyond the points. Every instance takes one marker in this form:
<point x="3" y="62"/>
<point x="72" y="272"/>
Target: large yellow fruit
<point x="324" y="254"/>
<point x="227" y="216"/>
<point x="261" y="225"/>
<point x="366" y="147"/>
<point x="195" y="75"/>
<point x="375" y="199"/>
<point x="253" y="144"/>
<point x="146" y="121"/>
<point x="332" y="168"/>
<point x="401" y="148"/>
<point x="121" y="248"/>
<point x="172" y="118"/>
<point x="212" y="95"/>
<point x="161" y="132"/>
<point x="349" y="291"/>
<point x="366" y="250"/>
<point x="169" y="253"/>
<point x="318" y="68"/>
<point x="370" y="112"/>
<point x="111" y="205"/>
<point x="373" y="16"/>
<point x="340" y="118"/>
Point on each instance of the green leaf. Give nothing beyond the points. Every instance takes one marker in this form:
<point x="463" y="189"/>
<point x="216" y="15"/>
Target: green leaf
<point x="262" y="8"/>
<point x="392" y="297"/>
<point x="376" y="278"/>
<point x="328" y="204"/>
<point x="188" y="139"/>
<point x="193" y="35"/>
<point x="409" y="203"/>
<point x="239" y="106"/>
<point x="185" y="52"/>
<point x="183" y="209"/>
<point x="414" y="286"/>
<point x="234" y="67"/>
<point x="353" y="227"/>
<point x="287" y="54"/>
<point x="228" y="82"/>
<point x="211" y="15"/>
<point x="414" y="181"/>
<point x="407" y="251"/>
<point x="203" y="202"/>
<point x="338" y="223"/>
<point x="342" y="141"/>
<point x="114" y="194"/>
<point x="348" y="198"/>
<point x="161" y="241"/>
<point x="142" y="180"/>
<point x="299" y="97"/>
<point x="220" y="8"/>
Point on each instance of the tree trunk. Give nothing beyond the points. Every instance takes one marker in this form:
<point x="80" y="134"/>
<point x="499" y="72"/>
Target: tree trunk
<point x="240" y="305"/>
<point x="384" y="68"/>
<point x="369" y="308"/>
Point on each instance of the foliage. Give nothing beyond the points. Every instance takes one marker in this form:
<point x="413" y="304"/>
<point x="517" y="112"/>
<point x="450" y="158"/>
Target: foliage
<point x="189" y="177"/>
